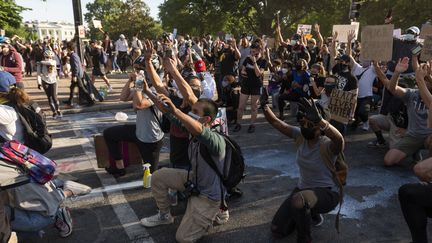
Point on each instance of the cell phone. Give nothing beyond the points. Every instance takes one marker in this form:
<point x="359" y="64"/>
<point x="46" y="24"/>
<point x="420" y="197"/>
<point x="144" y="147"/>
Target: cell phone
<point x="416" y="50"/>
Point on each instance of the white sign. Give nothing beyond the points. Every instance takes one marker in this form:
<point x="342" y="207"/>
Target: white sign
<point x="2" y="32"/>
<point x="81" y="31"/>
<point x="397" y="33"/>
<point x="97" y="24"/>
<point x="305" y="28"/>
<point x="343" y="31"/>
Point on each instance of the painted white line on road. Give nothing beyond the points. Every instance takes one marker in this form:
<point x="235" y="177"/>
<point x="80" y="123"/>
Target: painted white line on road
<point x="119" y="203"/>
<point x="118" y="187"/>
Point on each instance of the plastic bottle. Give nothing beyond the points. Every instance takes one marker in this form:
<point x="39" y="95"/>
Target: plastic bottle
<point x="139" y="80"/>
<point x="147" y="176"/>
<point x="121" y="116"/>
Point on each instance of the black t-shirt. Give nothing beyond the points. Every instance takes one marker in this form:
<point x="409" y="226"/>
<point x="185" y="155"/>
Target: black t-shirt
<point x="95" y="54"/>
<point x="346" y="81"/>
<point x="313" y="55"/>
<point x="228" y="63"/>
<point x="319" y="81"/>
<point x="252" y="80"/>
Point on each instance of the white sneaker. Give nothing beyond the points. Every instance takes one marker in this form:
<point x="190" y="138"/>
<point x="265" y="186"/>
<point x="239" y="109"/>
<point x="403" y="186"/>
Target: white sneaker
<point x="157" y="219"/>
<point x="365" y="126"/>
<point x="76" y="188"/>
<point x="222" y="217"/>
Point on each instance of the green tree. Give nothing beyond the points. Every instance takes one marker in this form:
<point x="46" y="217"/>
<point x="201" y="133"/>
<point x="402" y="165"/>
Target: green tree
<point x="128" y="17"/>
<point x="11" y="20"/>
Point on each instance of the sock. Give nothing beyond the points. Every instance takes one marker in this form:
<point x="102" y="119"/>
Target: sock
<point x="380" y="137"/>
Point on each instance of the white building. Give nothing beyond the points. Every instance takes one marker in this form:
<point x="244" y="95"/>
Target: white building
<point x="55" y="30"/>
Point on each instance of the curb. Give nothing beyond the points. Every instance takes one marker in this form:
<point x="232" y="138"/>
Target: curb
<point x="97" y="107"/>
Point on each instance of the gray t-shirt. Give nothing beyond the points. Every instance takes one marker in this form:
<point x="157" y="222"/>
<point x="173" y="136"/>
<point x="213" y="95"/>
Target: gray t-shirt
<point x="417" y="114"/>
<point x="148" y="129"/>
<point x="206" y="179"/>
<point x="312" y="167"/>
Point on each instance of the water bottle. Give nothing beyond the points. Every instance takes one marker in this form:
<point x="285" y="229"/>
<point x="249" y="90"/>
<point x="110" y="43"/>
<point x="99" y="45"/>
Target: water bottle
<point x="139" y="80"/>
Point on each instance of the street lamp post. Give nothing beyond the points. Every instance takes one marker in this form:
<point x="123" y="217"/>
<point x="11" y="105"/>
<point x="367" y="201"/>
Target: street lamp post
<point x="78" y="20"/>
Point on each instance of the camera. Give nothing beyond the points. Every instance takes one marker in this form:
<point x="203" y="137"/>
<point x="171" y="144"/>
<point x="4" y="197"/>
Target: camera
<point x="191" y="189"/>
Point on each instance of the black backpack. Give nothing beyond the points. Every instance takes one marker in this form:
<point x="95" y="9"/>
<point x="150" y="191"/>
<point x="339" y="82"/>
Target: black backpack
<point x="234" y="164"/>
<point x="36" y="135"/>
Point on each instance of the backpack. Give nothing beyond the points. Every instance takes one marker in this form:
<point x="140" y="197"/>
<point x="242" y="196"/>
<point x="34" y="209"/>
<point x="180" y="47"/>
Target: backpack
<point x="103" y="57"/>
<point x="233" y="168"/>
<point x="11" y="176"/>
<point x="338" y="169"/>
<point x="38" y="167"/>
<point x="36" y="135"/>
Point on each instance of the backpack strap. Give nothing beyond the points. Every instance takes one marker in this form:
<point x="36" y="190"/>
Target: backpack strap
<point x="328" y="160"/>
<point x="209" y="160"/>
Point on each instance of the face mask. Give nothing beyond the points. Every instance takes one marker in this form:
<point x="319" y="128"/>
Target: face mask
<point x="299" y="67"/>
<point x="197" y="93"/>
<point x="344" y="67"/>
<point x="307" y="133"/>
<point x="329" y="87"/>
<point x="284" y="70"/>
<point x="293" y="42"/>
<point x="194" y="116"/>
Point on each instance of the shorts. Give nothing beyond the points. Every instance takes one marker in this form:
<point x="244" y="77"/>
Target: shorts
<point x="98" y="71"/>
<point x="409" y="145"/>
<point x="386" y="123"/>
<point x="246" y="90"/>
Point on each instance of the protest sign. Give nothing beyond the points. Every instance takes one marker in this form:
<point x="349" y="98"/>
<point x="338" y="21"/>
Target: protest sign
<point x="97" y="24"/>
<point x="377" y="42"/>
<point x="81" y="31"/>
<point x="342" y="105"/>
<point x="426" y="33"/>
<point x="343" y="31"/>
<point x="397" y="33"/>
<point x="221" y="121"/>
<point x="305" y="28"/>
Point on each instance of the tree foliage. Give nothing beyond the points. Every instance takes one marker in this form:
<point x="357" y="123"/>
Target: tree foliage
<point x="257" y="17"/>
<point x="11" y="20"/>
<point x="128" y="17"/>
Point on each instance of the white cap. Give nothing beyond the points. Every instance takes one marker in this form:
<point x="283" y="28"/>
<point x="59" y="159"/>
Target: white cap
<point x="122" y="36"/>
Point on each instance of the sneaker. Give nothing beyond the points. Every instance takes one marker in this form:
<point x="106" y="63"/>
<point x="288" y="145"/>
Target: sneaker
<point x="251" y="129"/>
<point x="59" y="114"/>
<point x="237" y="128"/>
<point x="317" y="220"/>
<point x="222" y="217"/>
<point x="112" y="170"/>
<point x="54" y="116"/>
<point x="377" y="144"/>
<point x="77" y="189"/>
<point x="157" y="219"/>
<point x="110" y="89"/>
<point x="365" y="126"/>
<point x="63" y="222"/>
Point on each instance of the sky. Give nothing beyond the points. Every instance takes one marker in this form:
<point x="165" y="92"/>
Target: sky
<point x="61" y="10"/>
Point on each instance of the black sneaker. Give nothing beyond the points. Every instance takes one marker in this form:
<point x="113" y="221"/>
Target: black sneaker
<point x="120" y="173"/>
<point x="112" y="170"/>
<point x="317" y="220"/>
<point x="377" y="144"/>
<point x="237" y="128"/>
<point x="251" y="129"/>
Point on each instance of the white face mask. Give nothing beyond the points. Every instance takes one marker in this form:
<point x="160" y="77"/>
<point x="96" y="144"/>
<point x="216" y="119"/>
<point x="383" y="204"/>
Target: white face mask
<point x="193" y="115"/>
<point x="284" y="70"/>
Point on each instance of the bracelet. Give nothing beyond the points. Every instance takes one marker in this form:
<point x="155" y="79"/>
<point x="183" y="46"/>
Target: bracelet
<point x="325" y="127"/>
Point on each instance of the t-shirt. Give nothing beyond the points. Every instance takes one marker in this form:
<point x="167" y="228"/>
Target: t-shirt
<point x="346" y="81"/>
<point x="208" y="182"/>
<point x="302" y="79"/>
<point x="148" y="129"/>
<point x="313" y="55"/>
<point x="252" y="80"/>
<point x="228" y="63"/>
<point x="319" y="82"/>
<point x="95" y="53"/>
<point x="366" y="80"/>
<point x="10" y="125"/>
<point x="297" y="52"/>
<point x="244" y="53"/>
<point x="312" y="167"/>
<point x="417" y="114"/>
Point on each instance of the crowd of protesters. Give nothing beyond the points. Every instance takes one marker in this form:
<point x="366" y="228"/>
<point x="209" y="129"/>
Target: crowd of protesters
<point x="184" y="80"/>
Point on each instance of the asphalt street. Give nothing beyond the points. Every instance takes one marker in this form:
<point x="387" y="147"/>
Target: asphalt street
<point x="111" y="212"/>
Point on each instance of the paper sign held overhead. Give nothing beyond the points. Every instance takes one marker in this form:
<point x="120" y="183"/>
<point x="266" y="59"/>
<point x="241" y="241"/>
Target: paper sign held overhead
<point x="377" y="42"/>
<point x="305" y="28"/>
<point x="426" y="33"/>
<point x="97" y="24"/>
<point x="343" y="31"/>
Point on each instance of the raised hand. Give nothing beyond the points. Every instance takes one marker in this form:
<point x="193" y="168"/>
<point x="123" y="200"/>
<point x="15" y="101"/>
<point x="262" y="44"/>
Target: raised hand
<point x="170" y="64"/>
<point x="422" y="71"/>
<point x="335" y="35"/>
<point x="310" y="110"/>
<point x="402" y="65"/>
<point x="148" y="50"/>
<point x="351" y="36"/>
<point x="317" y="28"/>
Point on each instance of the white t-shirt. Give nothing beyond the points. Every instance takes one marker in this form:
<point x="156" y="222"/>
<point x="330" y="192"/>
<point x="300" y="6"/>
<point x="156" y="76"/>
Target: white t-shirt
<point x="121" y="45"/>
<point x="366" y="81"/>
<point x="10" y="125"/>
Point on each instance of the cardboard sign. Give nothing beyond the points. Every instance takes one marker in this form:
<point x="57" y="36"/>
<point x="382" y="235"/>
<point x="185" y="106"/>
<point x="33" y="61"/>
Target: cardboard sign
<point x="342" y="105"/>
<point x="343" y="31"/>
<point x="426" y="34"/>
<point x="97" y="24"/>
<point x="221" y="120"/>
<point x="81" y="31"/>
<point x="305" y="28"/>
<point x="377" y="42"/>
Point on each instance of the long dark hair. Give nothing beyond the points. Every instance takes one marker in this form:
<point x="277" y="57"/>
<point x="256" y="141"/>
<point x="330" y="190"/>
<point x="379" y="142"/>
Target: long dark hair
<point x="17" y="96"/>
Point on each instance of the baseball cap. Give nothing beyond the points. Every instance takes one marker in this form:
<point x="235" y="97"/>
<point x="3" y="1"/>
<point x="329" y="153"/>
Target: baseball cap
<point x="6" y="81"/>
<point x="122" y="36"/>
<point x="200" y="66"/>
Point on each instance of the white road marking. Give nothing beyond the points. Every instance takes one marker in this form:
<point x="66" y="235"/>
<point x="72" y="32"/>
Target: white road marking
<point x="120" y="205"/>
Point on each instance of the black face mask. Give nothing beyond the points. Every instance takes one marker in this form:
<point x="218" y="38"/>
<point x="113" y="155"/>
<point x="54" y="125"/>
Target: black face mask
<point x="197" y="93"/>
<point x="345" y="67"/>
<point x="329" y="87"/>
<point x="307" y="133"/>
<point x="298" y="67"/>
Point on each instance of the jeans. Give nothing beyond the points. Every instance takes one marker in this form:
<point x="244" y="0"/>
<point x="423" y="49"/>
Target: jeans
<point x="362" y="110"/>
<point x="28" y="224"/>
<point x="115" y="66"/>
<point x="149" y="151"/>
<point x="51" y="93"/>
<point x="416" y="203"/>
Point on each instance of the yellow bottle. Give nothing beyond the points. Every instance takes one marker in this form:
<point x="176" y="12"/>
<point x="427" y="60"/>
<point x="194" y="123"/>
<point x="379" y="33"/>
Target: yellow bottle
<point x="147" y="176"/>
